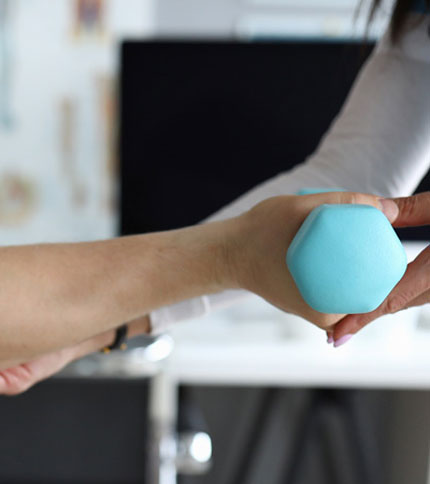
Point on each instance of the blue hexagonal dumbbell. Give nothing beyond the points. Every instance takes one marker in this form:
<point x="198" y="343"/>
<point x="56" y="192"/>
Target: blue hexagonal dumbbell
<point x="346" y="259"/>
<point x="311" y="191"/>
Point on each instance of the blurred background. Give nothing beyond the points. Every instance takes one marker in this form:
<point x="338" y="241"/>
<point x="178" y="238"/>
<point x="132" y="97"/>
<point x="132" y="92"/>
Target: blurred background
<point x="99" y="99"/>
<point x="59" y="63"/>
<point x="58" y="95"/>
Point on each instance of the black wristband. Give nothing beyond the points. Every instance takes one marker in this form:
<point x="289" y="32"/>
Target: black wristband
<point x="120" y="340"/>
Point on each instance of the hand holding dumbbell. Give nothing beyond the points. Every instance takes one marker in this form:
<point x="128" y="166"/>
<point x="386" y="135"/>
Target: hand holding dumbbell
<point x="274" y="225"/>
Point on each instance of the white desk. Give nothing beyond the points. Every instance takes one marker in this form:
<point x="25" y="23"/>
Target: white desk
<point x="223" y="349"/>
<point x="400" y="360"/>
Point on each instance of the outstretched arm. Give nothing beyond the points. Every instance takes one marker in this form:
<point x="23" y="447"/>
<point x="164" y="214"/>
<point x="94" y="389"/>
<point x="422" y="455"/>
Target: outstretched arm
<point x="55" y="296"/>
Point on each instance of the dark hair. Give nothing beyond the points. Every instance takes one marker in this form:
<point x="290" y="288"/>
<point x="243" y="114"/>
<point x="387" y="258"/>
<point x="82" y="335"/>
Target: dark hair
<point x="399" y="16"/>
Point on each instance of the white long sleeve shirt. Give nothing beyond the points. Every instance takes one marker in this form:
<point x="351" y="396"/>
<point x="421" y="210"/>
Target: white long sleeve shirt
<point x="379" y="143"/>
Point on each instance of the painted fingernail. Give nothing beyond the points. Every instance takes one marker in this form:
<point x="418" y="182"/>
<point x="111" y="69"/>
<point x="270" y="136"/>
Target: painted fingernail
<point x="389" y="208"/>
<point x="341" y="341"/>
<point x="330" y="339"/>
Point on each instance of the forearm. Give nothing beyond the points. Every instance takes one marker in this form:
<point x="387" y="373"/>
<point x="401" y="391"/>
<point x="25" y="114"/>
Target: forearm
<point x="58" y="295"/>
<point x="380" y="141"/>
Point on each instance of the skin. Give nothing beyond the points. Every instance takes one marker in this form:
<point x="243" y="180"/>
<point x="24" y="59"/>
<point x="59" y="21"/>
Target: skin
<point x="59" y="295"/>
<point x="62" y="301"/>
<point x="19" y="378"/>
<point x="414" y="287"/>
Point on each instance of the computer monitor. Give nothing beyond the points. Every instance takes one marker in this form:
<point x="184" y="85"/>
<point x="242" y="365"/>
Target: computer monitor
<point x="204" y="121"/>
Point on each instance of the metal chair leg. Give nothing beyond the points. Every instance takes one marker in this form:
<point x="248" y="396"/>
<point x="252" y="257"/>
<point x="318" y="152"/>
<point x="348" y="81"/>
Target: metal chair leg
<point x="362" y="451"/>
<point x="255" y="436"/>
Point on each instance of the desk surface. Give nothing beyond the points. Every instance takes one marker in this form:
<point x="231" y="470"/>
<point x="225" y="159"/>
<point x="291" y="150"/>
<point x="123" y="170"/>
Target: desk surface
<point x="270" y="348"/>
<point x="393" y="356"/>
<point x="299" y="365"/>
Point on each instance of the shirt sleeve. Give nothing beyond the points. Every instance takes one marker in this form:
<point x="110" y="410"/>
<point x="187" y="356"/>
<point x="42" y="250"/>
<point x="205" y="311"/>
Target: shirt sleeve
<point x="379" y="143"/>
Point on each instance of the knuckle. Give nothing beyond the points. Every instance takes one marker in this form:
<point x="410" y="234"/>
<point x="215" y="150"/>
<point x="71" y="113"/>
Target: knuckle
<point x="422" y="198"/>
<point x="395" y="303"/>
<point x="409" y="205"/>
<point x="348" y="197"/>
<point x="426" y="257"/>
<point x="355" y="198"/>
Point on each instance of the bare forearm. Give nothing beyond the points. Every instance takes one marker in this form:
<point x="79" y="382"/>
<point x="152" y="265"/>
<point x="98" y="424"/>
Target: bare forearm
<point x="58" y="295"/>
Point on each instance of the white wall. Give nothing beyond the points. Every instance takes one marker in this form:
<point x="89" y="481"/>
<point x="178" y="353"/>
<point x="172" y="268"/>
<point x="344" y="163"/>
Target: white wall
<point x="227" y="18"/>
<point x="49" y="66"/>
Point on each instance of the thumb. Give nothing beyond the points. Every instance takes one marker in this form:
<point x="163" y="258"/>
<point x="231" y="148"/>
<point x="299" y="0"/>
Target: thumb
<point x="387" y="206"/>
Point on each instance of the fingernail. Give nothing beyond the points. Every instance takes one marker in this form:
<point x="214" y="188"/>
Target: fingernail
<point x="330" y="339"/>
<point x="343" y="340"/>
<point x="389" y="208"/>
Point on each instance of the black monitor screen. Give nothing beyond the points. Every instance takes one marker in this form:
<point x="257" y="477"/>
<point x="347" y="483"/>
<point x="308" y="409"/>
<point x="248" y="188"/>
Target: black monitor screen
<point x="203" y="122"/>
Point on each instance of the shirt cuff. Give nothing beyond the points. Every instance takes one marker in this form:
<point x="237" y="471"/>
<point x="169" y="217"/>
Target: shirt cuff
<point x="199" y="307"/>
<point x="161" y="319"/>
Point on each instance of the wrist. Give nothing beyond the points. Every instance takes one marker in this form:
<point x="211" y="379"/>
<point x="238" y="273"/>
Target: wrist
<point x="240" y="252"/>
<point x="235" y="233"/>
<point x="205" y="259"/>
<point x="222" y="254"/>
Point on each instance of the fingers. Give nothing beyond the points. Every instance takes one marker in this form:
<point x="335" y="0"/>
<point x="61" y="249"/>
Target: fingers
<point x="411" y="289"/>
<point x="413" y="211"/>
<point x="387" y="206"/>
<point x="21" y="377"/>
<point x="14" y="380"/>
<point x="414" y="288"/>
<point x="422" y="299"/>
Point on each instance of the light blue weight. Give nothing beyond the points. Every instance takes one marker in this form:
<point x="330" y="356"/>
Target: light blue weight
<point x="311" y="191"/>
<point x="346" y="259"/>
